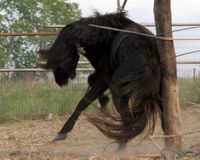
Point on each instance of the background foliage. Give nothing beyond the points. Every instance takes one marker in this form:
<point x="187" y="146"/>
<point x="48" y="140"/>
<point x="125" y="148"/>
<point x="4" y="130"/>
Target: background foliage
<point x="30" y="16"/>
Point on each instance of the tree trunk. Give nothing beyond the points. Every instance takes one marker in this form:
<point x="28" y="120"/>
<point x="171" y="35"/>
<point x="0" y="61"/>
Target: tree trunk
<point x="170" y="97"/>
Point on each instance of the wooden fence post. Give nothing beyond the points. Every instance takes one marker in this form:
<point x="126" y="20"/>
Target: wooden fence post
<point x="170" y="97"/>
<point x="118" y="6"/>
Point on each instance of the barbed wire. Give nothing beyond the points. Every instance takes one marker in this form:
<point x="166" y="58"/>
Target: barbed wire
<point x="177" y="154"/>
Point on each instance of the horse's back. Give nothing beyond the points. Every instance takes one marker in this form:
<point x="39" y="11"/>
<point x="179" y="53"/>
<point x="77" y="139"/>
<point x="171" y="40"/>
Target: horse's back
<point x="134" y="49"/>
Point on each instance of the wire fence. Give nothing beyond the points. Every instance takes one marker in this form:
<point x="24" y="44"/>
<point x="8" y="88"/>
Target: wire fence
<point x="190" y="33"/>
<point x="32" y="93"/>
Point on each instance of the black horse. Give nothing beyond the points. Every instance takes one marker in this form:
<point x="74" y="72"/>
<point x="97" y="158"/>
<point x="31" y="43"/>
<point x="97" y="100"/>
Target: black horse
<point x="126" y="64"/>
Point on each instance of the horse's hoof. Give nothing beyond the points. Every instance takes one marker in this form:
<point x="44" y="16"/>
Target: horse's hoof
<point x="60" y="137"/>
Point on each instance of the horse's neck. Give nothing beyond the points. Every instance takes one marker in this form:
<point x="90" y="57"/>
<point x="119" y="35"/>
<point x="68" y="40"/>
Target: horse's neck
<point x="97" y="42"/>
<point x="92" y="59"/>
<point x="99" y="57"/>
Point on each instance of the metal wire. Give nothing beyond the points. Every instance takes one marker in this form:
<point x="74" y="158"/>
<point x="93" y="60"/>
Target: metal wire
<point x="179" y="55"/>
<point x="148" y="35"/>
<point x="180" y="154"/>
<point x="178" y="30"/>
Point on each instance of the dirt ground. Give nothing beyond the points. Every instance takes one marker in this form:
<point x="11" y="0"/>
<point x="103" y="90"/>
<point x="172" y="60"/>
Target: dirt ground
<point x="32" y="140"/>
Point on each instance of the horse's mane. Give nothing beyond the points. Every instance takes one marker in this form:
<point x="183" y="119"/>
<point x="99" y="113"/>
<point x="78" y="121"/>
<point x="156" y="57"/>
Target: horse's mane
<point x="81" y="32"/>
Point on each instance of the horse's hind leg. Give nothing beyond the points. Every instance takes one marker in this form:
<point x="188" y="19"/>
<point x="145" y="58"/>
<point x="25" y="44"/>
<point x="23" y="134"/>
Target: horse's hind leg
<point x="94" y="92"/>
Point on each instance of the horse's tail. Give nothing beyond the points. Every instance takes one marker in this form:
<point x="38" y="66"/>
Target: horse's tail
<point x="144" y="102"/>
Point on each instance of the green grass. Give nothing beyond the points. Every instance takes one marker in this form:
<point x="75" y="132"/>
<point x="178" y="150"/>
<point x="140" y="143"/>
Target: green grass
<point x="189" y="91"/>
<point x="35" y="100"/>
<point x="23" y="100"/>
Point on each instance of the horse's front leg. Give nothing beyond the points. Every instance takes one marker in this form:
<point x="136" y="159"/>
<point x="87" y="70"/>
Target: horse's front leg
<point x="94" y="92"/>
<point x="103" y="99"/>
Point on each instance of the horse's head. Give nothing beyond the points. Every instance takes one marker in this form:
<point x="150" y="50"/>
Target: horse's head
<point x="62" y="58"/>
